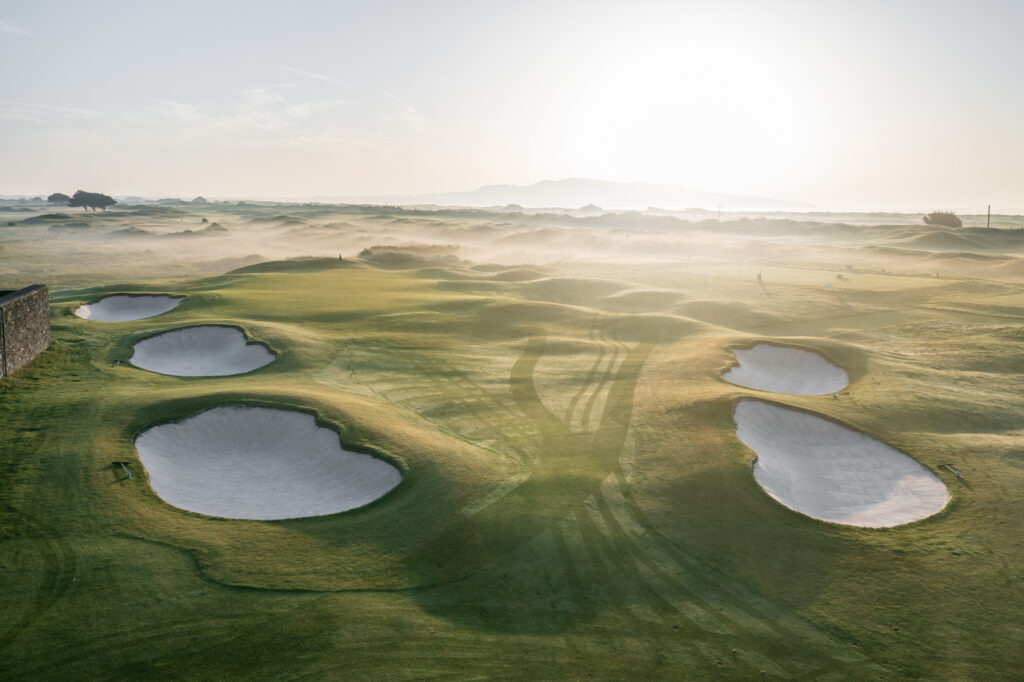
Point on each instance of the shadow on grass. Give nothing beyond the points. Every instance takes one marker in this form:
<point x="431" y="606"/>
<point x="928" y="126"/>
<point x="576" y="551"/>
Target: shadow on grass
<point x="512" y="553"/>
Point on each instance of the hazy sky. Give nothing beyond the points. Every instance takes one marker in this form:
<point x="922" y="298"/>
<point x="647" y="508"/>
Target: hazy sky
<point x="862" y="104"/>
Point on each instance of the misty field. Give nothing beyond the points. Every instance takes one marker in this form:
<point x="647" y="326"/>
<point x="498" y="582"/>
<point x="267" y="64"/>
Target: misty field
<point x="575" y="502"/>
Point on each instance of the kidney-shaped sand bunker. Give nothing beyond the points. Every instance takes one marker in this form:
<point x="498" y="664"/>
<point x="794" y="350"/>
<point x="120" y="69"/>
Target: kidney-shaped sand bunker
<point x="259" y="463"/>
<point x="785" y="370"/>
<point x="206" y="351"/>
<point x="126" y="307"/>
<point x="833" y="473"/>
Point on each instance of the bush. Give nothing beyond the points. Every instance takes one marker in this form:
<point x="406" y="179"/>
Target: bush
<point x="945" y="218"/>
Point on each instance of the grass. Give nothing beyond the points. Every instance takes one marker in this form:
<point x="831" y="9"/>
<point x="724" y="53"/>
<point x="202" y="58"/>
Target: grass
<point x="575" y="502"/>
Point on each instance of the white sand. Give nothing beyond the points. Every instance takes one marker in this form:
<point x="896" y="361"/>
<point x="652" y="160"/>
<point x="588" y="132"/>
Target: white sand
<point x="833" y="473"/>
<point x="786" y="370"/>
<point x="205" y="351"/>
<point x="124" y="307"/>
<point x="259" y="463"/>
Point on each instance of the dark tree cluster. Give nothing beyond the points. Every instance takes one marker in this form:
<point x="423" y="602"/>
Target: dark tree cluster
<point x="91" y="200"/>
<point x="58" y="198"/>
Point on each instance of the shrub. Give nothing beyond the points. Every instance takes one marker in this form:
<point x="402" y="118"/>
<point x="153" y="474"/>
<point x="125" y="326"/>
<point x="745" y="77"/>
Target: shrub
<point x="946" y="218"/>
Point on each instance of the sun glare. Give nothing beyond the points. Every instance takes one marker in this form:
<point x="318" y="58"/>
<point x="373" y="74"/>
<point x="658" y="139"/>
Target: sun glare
<point x="695" y="111"/>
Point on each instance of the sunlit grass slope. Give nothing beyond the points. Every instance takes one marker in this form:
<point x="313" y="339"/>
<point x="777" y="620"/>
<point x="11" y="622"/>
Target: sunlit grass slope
<point x="575" y="502"/>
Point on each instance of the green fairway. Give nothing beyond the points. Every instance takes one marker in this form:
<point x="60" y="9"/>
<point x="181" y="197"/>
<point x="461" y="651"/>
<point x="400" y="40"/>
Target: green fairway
<point x="575" y="502"/>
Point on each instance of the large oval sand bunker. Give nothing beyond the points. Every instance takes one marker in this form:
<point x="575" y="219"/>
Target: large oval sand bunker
<point x="833" y="473"/>
<point x="259" y="463"/>
<point x="785" y="370"/>
<point x="207" y="350"/>
<point x="126" y="307"/>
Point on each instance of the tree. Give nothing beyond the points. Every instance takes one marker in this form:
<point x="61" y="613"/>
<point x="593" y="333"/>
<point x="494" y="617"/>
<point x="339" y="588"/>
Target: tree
<point x="91" y="200"/>
<point x="944" y="218"/>
<point x="58" y="198"/>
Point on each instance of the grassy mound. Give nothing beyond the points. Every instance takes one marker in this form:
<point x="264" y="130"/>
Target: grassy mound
<point x="55" y="218"/>
<point x="295" y="265"/>
<point x="642" y="300"/>
<point x="411" y="255"/>
<point x="518" y="275"/>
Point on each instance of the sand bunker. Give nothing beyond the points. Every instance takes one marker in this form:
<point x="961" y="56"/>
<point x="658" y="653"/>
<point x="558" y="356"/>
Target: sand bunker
<point x="125" y="307"/>
<point x="833" y="473"/>
<point x="205" y="351"/>
<point x="786" y="370"/>
<point x="259" y="463"/>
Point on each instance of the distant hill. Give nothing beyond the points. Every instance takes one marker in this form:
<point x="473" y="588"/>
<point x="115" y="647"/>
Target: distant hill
<point x="576" y="192"/>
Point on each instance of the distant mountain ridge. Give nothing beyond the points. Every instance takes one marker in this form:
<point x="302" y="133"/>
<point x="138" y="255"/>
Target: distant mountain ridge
<point x="576" y="192"/>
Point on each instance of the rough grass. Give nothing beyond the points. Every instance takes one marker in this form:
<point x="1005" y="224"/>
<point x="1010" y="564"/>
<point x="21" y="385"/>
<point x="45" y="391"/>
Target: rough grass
<point x="575" y="502"/>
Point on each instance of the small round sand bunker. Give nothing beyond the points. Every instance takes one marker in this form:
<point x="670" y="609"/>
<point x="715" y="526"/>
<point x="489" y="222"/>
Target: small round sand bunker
<point x="204" y="351"/>
<point x="126" y="307"/>
<point x="833" y="473"/>
<point x="259" y="463"/>
<point x="786" y="370"/>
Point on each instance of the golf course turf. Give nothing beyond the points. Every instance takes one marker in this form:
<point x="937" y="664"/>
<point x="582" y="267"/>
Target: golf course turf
<point x="574" y="501"/>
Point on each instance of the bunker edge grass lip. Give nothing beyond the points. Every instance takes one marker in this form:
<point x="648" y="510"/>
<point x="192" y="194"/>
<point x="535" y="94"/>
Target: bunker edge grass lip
<point x="259" y="463"/>
<point x="833" y="473"/>
<point x="205" y="350"/>
<point x="127" y="307"/>
<point x="783" y="369"/>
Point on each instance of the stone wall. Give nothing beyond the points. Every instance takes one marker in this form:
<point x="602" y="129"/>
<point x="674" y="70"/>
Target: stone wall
<point x="24" y="326"/>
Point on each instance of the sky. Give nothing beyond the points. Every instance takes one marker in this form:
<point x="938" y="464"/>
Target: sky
<point x="860" y="104"/>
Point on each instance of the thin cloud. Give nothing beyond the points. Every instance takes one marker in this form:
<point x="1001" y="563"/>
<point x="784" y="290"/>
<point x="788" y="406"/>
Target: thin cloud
<point x="407" y="114"/>
<point x="317" y="76"/>
<point x="8" y="27"/>
<point x="308" y="109"/>
<point x="260" y="97"/>
<point x="27" y="111"/>
<point x="179" y="112"/>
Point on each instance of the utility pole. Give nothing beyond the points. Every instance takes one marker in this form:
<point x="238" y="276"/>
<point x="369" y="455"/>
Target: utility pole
<point x="988" y="220"/>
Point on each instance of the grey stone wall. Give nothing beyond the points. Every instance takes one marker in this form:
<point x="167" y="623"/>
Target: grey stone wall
<point x="24" y="326"/>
